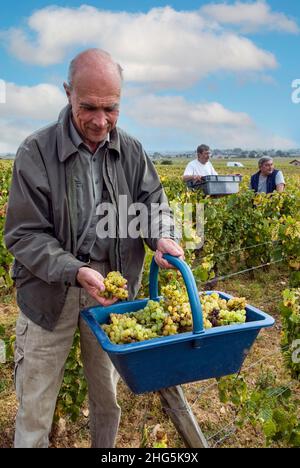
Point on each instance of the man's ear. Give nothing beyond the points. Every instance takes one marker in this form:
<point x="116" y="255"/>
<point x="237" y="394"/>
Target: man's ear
<point x="68" y="91"/>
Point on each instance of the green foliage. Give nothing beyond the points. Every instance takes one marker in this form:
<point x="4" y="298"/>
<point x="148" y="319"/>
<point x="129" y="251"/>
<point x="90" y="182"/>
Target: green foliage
<point x="9" y="341"/>
<point x="267" y="406"/>
<point x="153" y="437"/>
<point x="290" y="313"/>
<point x="242" y="230"/>
<point x="233" y="225"/>
<point x="74" y="387"/>
<point x="233" y="389"/>
<point x="5" y="256"/>
<point x="289" y="235"/>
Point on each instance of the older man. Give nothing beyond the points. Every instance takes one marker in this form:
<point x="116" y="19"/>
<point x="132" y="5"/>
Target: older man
<point x="199" y="167"/>
<point x="62" y="175"/>
<point x="267" y="179"/>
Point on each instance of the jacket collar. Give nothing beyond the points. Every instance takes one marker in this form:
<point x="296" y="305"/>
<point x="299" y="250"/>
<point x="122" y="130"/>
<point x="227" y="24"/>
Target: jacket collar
<point x="114" y="142"/>
<point x="66" y="147"/>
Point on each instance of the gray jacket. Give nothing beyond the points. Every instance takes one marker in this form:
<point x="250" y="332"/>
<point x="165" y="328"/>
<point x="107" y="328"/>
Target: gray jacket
<point x="41" y="223"/>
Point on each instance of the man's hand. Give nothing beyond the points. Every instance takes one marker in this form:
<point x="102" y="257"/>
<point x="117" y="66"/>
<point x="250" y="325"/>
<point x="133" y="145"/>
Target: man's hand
<point x="92" y="282"/>
<point x="280" y="188"/>
<point x="197" y="178"/>
<point x="170" y="247"/>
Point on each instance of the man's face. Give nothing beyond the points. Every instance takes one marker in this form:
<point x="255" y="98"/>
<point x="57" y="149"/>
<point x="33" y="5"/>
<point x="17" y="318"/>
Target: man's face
<point x="204" y="156"/>
<point x="95" y="106"/>
<point x="267" y="168"/>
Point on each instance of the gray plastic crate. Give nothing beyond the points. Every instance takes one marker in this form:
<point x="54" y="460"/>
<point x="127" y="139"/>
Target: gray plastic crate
<point x="220" y="184"/>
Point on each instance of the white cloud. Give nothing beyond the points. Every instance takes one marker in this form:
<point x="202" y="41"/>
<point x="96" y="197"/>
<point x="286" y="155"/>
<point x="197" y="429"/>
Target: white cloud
<point x="41" y="102"/>
<point x="26" y="109"/>
<point x="250" y="17"/>
<point x="162" y="47"/>
<point x="12" y="133"/>
<point x="156" y="119"/>
<point x="174" y="116"/>
<point x="177" y="112"/>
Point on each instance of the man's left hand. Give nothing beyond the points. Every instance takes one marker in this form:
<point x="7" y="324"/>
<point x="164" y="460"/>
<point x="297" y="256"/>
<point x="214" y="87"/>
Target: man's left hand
<point x="170" y="247"/>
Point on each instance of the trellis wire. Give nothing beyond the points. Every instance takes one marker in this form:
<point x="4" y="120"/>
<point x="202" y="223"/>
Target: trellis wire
<point x="223" y="254"/>
<point x="214" y="384"/>
<point x="242" y="272"/>
<point x="232" y="425"/>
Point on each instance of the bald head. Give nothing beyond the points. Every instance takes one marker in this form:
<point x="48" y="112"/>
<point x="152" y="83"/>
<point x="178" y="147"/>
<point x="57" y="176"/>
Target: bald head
<point x="94" y="92"/>
<point x="93" y="63"/>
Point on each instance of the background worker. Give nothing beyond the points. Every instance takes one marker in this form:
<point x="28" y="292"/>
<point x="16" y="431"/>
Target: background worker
<point x="267" y="179"/>
<point x="199" y="167"/>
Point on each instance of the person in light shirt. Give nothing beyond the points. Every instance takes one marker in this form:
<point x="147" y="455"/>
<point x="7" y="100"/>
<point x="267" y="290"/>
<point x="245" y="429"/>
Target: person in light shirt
<point x="199" y="167"/>
<point x="267" y="179"/>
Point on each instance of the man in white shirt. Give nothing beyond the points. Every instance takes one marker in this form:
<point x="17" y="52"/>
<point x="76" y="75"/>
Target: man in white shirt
<point x="199" y="167"/>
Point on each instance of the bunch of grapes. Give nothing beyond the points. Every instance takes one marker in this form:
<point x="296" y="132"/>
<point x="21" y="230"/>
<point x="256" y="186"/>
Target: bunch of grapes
<point x="219" y="312"/>
<point x="237" y="303"/>
<point x="114" y="286"/>
<point x="152" y="316"/>
<point x="124" y="328"/>
<point x="231" y="317"/>
<point x="176" y="303"/>
<point x="172" y="315"/>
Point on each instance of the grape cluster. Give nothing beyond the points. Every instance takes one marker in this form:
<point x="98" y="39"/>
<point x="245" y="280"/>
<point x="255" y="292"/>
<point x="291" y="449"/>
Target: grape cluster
<point x="236" y="303"/>
<point x="114" y="286"/>
<point x="176" y="303"/>
<point x="152" y="316"/>
<point x="142" y="325"/>
<point x="125" y="329"/>
<point x="172" y="315"/>
<point x="219" y="312"/>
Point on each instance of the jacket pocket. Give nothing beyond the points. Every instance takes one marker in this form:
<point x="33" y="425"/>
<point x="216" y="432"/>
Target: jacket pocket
<point x="18" y="273"/>
<point x="16" y="270"/>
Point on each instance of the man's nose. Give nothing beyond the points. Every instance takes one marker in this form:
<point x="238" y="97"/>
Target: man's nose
<point x="99" y="119"/>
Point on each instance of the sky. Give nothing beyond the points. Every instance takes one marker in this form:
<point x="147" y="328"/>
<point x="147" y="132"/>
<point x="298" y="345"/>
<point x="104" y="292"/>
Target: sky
<point x="213" y="72"/>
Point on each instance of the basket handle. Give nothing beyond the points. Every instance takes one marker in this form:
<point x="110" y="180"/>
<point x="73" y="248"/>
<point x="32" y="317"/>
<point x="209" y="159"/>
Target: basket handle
<point x="190" y="284"/>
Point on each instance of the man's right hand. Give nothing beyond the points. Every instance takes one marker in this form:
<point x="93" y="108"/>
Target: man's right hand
<point x="197" y="178"/>
<point x="93" y="282"/>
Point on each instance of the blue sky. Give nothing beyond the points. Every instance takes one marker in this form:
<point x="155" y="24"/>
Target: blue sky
<point x="216" y="72"/>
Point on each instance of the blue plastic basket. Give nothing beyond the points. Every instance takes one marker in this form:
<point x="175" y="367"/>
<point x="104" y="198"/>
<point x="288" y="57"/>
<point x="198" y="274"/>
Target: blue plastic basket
<point x="187" y="357"/>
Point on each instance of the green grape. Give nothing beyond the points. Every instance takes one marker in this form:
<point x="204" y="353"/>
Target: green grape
<point x="125" y="329"/>
<point x="176" y="303"/>
<point x="219" y="312"/>
<point x="206" y="323"/>
<point x="228" y="317"/>
<point x="169" y="328"/>
<point x="236" y="303"/>
<point x="172" y="315"/>
<point x="114" y="286"/>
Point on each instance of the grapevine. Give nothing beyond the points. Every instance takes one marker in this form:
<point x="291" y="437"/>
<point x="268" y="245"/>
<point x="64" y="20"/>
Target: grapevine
<point x="290" y="313"/>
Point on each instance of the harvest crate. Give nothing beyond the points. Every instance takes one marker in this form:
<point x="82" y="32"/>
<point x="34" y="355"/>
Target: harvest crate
<point x="187" y="357"/>
<point x="219" y="184"/>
